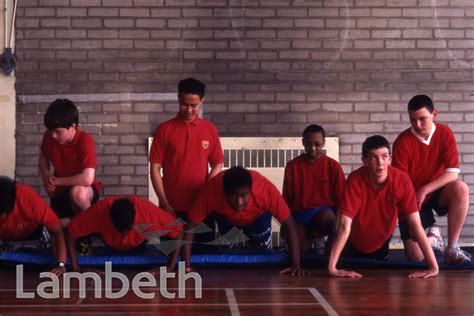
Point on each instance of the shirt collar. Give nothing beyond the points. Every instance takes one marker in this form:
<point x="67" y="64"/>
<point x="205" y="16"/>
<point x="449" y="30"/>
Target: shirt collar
<point x="195" y="122"/>
<point x="421" y="139"/>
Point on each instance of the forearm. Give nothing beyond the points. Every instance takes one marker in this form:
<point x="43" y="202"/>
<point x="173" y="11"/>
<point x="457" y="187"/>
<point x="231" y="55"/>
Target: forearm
<point x="440" y="182"/>
<point x="339" y="243"/>
<point x="215" y="170"/>
<point x="85" y="178"/>
<point x="157" y="182"/>
<point x="71" y="247"/>
<point x="292" y="241"/>
<point x="61" y="251"/>
<point x="44" y="166"/>
<point x="417" y="230"/>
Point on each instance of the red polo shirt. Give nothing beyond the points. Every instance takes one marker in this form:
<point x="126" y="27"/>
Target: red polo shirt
<point x="310" y="184"/>
<point x="149" y="220"/>
<point x="71" y="159"/>
<point x="185" y="151"/>
<point x="374" y="212"/>
<point x="264" y="197"/>
<point x="29" y="212"/>
<point x="426" y="161"/>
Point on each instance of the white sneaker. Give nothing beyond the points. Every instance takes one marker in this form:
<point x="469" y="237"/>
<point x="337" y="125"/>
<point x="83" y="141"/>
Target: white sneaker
<point x="456" y="256"/>
<point x="438" y="244"/>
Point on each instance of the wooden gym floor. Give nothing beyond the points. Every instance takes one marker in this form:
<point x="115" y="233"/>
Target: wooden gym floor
<point x="260" y="291"/>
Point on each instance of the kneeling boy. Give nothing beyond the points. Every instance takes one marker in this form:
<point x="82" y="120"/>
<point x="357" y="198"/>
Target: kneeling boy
<point x="374" y="196"/>
<point x="312" y="188"/>
<point x="115" y="219"/>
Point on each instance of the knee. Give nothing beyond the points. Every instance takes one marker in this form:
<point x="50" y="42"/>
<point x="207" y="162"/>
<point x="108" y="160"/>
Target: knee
<point x="79" y="195"/>
<point x="460" y="190"/>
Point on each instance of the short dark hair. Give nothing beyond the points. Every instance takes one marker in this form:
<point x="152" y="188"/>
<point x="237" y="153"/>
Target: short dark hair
<point x="7" y="194"/>
<point x="122" y="214"/>
<point x="313" y="128"/>
<point x="236" y="177"/>
<point x="61" y="113"/>
<point x="420" y="101"/>
<point x="374" y="142"/>
<point x="192" y="86"/>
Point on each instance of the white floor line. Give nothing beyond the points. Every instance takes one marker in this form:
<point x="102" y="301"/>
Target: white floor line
<point x="322" y="301"/>
<point x="188" y="289"/>
<point x="233" y="306"/>
<point x="79" y="301"/>
<point x="25" y="306"/>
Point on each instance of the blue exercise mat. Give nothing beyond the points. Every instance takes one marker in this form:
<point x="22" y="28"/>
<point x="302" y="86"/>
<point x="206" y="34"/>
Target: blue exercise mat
<point x="214" y="256"/>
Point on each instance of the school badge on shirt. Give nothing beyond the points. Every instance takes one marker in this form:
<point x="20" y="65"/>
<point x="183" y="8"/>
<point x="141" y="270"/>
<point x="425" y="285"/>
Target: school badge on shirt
<point x="205" y="144"/>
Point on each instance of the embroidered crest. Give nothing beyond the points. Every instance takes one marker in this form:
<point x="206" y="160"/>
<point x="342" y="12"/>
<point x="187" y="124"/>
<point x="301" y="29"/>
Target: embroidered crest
<point x="205" y="144"/>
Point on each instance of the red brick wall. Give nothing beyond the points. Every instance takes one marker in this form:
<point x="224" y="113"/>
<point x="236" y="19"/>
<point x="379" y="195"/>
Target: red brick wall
<point x="272" y="67"/>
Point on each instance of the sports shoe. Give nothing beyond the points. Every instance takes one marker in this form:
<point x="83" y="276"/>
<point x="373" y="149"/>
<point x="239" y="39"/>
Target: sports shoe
<point x="319" y="245"/>
<point x="438" y="244"/>
<point x="456" y="256"/>
<point x="84" y="246"/>
<point x="7" y="245"/>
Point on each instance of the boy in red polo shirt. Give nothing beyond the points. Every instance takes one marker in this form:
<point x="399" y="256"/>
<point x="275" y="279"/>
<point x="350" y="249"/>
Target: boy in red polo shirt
<point x="123" y="223"/>
<point x="428" y="153"/>
<point x="184" y="148"/>
<point x="71" y="152"/>
<point x="244" y="199"/>
<point x="375" y="195"/>
<point x="312" y="188"/>
<point x="23" y="214"/>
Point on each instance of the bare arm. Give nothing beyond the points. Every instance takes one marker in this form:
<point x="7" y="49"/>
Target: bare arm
<point x="61" y="252"/>
<point x="85" y="178"/>
<point x="157" y="182"/>
<point x="71" y="247"/>
<point x="295" y="268"/>
<point x="416" y="229"/>
<point x="48" y="179"/>
<point x="215" y="170"/>
<point x="344" y="230"/>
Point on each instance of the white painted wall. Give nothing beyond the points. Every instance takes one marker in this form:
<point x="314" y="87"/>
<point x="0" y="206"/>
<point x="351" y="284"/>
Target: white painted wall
<point x="7" y="106"/>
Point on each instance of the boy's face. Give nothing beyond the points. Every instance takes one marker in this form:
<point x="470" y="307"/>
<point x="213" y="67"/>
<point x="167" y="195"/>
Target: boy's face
<point x="239" y="198"/>
<point x="313" y="145"/>
<point x="63" y="135"/>
<point x="422" y="121"/>
<point x="377" y="162"/>
<point x="189" y="106"/>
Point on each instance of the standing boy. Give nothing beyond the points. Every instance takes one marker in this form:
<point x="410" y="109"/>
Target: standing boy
<point x="71" y="152"/>
<point x="184" y="148"/>
<point x="375" y="195"/>
<point x="312" y="188"/>
<point x="428" y="153"/>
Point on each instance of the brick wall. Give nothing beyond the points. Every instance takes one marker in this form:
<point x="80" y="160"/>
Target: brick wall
<point x="271" y="67"/>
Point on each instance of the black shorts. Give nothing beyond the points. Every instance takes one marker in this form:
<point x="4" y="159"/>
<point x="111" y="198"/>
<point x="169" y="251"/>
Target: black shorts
<point x="61" y="204"/>
<point x="426" y="214"/>
<point x="379" y="254"/>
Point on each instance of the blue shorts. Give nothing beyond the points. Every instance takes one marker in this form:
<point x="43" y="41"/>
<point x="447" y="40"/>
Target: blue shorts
<point x="305" y="217"/>
<point x="259" y="232"/>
